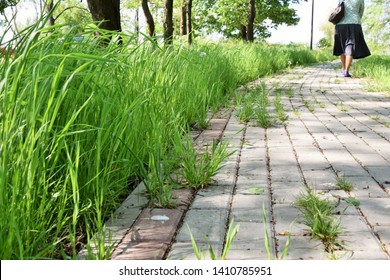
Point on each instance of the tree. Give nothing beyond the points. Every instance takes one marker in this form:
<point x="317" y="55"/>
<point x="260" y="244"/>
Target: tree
<point x="189" y="21"/>
<point x="328" y="29"/>
<point x="233" y="18"/>
<point x="7" y="3"/>
<point x="183" y="18"/>
<point x="377" y="25"/>
<point x="251" y="20"/>
<point x="149" y="18"/>
<point x="49" y="6"/>
<point x="168" y="22"/>
<point x="74" y="13"/>
<point x="9" y="22"/>
<point x="107" y="13"/>
<point x="186" y="19"/>
<point x="70" y="11"/>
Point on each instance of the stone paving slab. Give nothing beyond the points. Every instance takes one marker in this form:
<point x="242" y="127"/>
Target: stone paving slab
<point x="376" y="210"/>
<point x="384" y="233"/>
<point x="210" y="224"/>
<point x="287" y="192"/>
<point x="248" y="250"/>
<point x="206" y="198"/>
<point x="288" y="220"/>
<point x="366" y="186"/>
<point x="248" y="208"/>
<point x="185" y="251"/>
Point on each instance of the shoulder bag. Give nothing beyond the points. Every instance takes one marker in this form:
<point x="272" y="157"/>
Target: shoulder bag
<point x="337" y="14"/>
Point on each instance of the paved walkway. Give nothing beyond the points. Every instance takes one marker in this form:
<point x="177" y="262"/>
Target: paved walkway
<point x="335" y="127"/>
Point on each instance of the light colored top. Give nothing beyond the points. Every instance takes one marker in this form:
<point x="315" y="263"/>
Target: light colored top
<point x="353" y="13"/>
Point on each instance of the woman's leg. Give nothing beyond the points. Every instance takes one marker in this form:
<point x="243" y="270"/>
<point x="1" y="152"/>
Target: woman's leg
<point x="348" y="62"/>
<point x="343" y="65"/>
<point x="348" y="57"/>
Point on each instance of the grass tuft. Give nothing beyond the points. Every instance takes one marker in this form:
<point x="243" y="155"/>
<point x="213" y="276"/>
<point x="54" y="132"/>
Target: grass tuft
<point x="318" y="216"/>
<point x="344" y="183"/>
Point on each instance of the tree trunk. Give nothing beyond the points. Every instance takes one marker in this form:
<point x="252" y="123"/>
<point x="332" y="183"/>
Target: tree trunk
<point x="183" y="20"/>
<point x="149" y="18"/>
<point x="136" y="28"/>
<point x="107" y="12"/>
<point x="251" y="20"/>
<point x="168" y="22"/>
<point x="189" y="22"/>
<point x="243" y="32"/>
<point x="49" y="10"/>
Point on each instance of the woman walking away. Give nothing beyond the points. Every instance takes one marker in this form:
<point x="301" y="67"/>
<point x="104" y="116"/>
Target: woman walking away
<point x="349" y="40"/>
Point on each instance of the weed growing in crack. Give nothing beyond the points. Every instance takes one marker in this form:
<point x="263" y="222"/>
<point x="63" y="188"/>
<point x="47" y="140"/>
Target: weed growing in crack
<point x="344" y="183"/>
<point x="261" y="114"/>
<point x="280" y="112"/>
<point x="297" y="112"/>
<point x="238" y="98"/>
<point x="318" y="216"/>
<point x="231" y="234"/>
<point x="267" y="241"/>
<point x="254" y="106"/>
<point x="380" y="120"/>
<point x="159" y="192"/>
<point x="322" y="91"/>
<point x="197" y="169"/>
<point x="278" y="90"/>
<point x="263" y="118"/>
<point x="375" y="118"/>
<point x="341" y="107"/>
<point x="308" y="105"/>
<point x="290" y="92"/>
<point x="321" y="105"/>
<point x="245" y="113"/>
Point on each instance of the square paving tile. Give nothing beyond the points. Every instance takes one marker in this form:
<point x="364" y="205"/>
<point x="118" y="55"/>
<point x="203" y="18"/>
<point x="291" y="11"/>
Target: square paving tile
<point x="203" y="224"/>
<point x="185" y="250"/>
<point x="376" y="210"/>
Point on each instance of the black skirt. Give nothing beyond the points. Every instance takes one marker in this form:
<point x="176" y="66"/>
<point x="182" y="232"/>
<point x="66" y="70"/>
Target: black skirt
<point x="350" y="34"/>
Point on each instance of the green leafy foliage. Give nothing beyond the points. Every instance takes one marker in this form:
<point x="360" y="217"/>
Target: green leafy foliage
<point x="376" y="25"/>
<point x="229" y="17"/>
<point x="6" y="3"/>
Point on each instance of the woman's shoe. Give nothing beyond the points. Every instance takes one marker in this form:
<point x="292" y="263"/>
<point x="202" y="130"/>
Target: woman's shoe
<point x="346" y="74"/>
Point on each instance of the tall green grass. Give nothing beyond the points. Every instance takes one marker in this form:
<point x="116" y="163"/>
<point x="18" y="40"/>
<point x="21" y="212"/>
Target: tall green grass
<point x="79" y="118"/>
<point x="376" y="67"/>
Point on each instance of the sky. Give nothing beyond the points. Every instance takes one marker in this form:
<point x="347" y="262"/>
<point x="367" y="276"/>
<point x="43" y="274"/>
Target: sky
<point x="301" y="32"/>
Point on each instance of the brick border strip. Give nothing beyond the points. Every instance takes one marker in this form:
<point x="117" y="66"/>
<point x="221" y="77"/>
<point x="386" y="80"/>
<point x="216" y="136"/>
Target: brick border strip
<point x="138" y="232"/>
